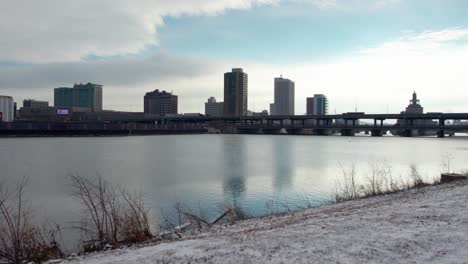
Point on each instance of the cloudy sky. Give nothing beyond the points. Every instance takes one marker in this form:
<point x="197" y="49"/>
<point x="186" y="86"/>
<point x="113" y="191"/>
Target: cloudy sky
<point x="369" y="54"/>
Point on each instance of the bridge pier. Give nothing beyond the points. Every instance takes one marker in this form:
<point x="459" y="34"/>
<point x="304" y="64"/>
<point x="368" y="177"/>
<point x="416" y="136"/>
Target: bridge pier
<point x="347" y="132"/>
<point x="377" y="133"/>
<point x="295" y="131"/>
<point x="320" y="132"/>
<point x="441" y="134"/>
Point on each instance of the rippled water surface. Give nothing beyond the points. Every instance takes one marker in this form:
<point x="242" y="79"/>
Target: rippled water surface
<point x="262" y="173"/>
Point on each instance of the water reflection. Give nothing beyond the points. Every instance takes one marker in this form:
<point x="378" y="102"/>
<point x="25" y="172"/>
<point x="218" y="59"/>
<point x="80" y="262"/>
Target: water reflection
<point x="234" y="164"/>
<point x="283" y="164"/>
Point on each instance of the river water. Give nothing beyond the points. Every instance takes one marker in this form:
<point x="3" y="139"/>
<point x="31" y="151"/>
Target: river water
<point x="262" y="173"/>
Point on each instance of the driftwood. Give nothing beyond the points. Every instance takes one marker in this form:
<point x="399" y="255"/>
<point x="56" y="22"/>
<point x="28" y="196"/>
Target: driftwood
<point x="176" y="230"/>
<point x="450" y="177"/>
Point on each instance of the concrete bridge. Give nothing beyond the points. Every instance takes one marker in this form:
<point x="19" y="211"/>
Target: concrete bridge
<point x="96" y="129"/>
<point x="347" y="124"/>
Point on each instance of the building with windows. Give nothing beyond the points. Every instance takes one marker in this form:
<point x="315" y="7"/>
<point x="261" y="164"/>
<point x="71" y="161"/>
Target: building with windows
<point x="235" y="93"/>
<point x="81" y="95"/>
<point x="160" y="103"/>
<point x="6" y="108"/>
<point x="31" y="103"/>
<point x="213" y="108"/>
<point x="317" y="105"/>
<point x="284" y="96"/>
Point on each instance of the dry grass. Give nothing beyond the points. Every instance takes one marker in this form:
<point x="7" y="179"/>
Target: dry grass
<point x="379" y="181"/>
<point x="113" y="216"/>
<point x="20" y="240"/>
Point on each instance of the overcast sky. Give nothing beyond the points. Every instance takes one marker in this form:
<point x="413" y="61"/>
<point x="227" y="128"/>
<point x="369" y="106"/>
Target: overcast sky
<point x="369" y="54"/>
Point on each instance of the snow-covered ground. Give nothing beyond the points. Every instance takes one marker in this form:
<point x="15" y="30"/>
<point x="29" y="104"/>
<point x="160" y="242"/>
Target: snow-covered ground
<point x="428" y="225"/>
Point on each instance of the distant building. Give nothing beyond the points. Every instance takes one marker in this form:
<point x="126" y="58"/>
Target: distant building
<point x="235" y="93"/>
<point x="6" y="108"/>
<point x="272" y="109"/>
<point x="160" y="103"/>
<point x="284" y="96"/>
<point x="31" y="103"/>
<point x="262" y="113"/>
<point x="414" y="107"/>
<point x="213" y="108"/>
<point x="317" y="105"/>
<point x="81" y="95"/>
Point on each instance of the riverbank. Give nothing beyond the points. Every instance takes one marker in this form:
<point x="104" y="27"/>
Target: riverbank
<point x="426" y="225"/>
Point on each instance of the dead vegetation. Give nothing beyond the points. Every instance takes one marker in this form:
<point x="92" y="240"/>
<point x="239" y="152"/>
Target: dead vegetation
<point x="20" y="240"/>
<point x="113" y="216"/>
<point x="379" y="181"/>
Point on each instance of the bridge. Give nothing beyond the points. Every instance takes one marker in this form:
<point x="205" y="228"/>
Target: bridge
<point x="347" y="124"/>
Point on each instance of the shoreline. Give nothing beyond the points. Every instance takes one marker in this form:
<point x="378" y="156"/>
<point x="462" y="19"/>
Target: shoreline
<point x="424" y="225"/>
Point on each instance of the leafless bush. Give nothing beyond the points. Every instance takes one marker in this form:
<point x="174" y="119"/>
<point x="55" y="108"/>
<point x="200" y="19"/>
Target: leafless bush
<point x="135" y="218"/>
<point x="416" y="178"/>
<point x="380" y="181"/>
<point x="21" y="240"/>
<point x="112" y="217"/>
<point x="348" y="189"/>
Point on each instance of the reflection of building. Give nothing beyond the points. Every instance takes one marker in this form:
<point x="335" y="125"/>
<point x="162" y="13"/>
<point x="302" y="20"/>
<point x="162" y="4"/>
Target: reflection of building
<point x="213" y="108"/>
<point x="81" y="95"/>
<point x="317" y="105"/>
<point x="30" y="103"/>
<point x="235" y="93"/>
<point x="234" y="164"/>
<point x="283" y="164"/>
<point x="6" y="108"/>
<point x="284" y="96"/>
<point x="160" y="103"/>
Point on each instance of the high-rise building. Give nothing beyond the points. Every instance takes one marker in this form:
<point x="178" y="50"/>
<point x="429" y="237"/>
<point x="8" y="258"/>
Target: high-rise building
<point x="6" y="109"/>
<point x="160" y="103"/>
<point x="284" y="96"/>
<point x="31" y="103"/>
<point x="81" y="95"/>
<point x="272" y="109"/>
<point x="235" y="93"/>
<point x="317" y="105"/>
<point x="213" y="108"/>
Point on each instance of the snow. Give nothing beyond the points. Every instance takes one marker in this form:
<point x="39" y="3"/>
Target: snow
<point x="427" y="225"/>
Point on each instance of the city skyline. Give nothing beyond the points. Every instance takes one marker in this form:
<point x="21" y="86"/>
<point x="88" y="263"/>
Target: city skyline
<point x="371" y="55"/>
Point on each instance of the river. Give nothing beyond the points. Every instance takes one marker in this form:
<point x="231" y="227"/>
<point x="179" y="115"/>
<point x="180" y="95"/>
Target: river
<point x="262" y="173"/>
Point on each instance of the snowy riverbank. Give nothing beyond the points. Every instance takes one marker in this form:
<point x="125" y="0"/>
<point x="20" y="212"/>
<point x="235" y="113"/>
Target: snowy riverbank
<point x="428" y="225"/>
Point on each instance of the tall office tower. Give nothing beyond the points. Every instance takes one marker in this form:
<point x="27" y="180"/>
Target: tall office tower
<point x="317" y="105"/>
<point x="213" y="108"/>
<point x="235" y="93"/>
<point x="6" y="108"/>
<point x="160" y="103"/>
<point x="284" y="96"/>
<point x="31" y="103"/>
<point x="81" y="95"/>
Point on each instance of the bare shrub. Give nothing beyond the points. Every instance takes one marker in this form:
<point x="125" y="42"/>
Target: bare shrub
<point x="112" y="217"/>
<point x="135" y="218"/>
<point x="348" y="188"/>
<point x="416" y="178"/>
<point x="21" y="240"/>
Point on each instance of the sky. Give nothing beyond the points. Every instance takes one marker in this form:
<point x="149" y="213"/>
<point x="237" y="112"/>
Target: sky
<point x="368" y="55"/>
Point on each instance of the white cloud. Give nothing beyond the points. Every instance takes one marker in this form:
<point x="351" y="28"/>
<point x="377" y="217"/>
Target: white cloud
<point x="433" y="63"/>
<point x="67" y="30"/>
